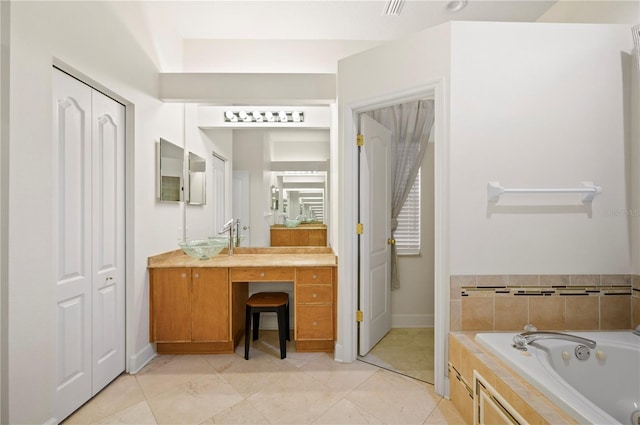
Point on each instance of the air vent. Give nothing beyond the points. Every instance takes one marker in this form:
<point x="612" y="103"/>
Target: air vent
<point x="393" y="7"/>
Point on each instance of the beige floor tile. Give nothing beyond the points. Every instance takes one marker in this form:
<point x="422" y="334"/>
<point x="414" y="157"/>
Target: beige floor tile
<point x="163" y="375"/>
<point x="346" y="412"/>
<point x="122" y="393"/>
<point x="395" y="399"/>
<point x="250" y="376"/>
<point x="294" y="398"/>
<point x="445" y="413"/>
<point x="194" y="401"/>
<point x="240" y="414"/>
<point x="339" y="377"/>
<point x="138" y="414"/>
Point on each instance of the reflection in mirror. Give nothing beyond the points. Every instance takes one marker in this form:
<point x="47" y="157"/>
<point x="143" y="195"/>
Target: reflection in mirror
<point x="170" y="172"/>
<point x="197" y="179"/>
<point x="304" y="195"/>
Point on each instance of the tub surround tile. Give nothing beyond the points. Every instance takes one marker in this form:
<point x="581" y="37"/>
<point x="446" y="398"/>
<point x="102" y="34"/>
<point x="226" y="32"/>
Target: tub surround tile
<point x="547" y="312"/>
<point x="511" y="313"/>
<point x="582" y="313"/>
<point x="477" y="313"/>
<point x="524" y="280"/>
<point x="552" y="280"/>
<point x="553" y="302"/>
<point x="585" y="280"/>
<point x="615" y="312"/>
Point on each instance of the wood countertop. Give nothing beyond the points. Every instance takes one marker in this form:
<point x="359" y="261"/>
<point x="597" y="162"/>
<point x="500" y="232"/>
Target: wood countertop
<point x="251" y="257"/>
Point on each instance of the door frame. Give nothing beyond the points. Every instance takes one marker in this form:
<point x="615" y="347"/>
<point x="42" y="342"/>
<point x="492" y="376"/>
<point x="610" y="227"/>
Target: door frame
<point x="346" y="347"/>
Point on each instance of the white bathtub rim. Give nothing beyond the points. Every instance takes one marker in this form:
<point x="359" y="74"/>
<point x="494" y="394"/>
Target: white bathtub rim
<point x="552" y="386"/>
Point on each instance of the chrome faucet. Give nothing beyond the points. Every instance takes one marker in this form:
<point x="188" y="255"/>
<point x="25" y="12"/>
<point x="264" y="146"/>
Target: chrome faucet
<point x="284" y="216"/>
<point x="230" y="226"/>
<point x="525" y="338"/>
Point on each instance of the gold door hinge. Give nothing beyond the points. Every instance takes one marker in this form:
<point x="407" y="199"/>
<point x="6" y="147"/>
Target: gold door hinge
<point x="360" y="140"/>
<point x="359" y="316"/>
<point x="359" y="228"/>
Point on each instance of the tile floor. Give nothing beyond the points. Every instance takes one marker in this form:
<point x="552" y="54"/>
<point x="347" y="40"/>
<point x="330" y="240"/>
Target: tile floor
<point x="405" y="350"/>
<point x="304" y="388"/>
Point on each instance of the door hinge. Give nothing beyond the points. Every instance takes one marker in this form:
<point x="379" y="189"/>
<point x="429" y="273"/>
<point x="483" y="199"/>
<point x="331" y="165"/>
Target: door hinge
<point x="359" y="228"/>
<point x="360" y="140"/>
<point x="359" y="316"/>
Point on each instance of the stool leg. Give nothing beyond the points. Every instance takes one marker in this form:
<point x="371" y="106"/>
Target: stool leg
<point x="281" y="331"/>
<point x="247" y="331"/>
<point x="256" y="325"/>
<point x="286" y="317"/>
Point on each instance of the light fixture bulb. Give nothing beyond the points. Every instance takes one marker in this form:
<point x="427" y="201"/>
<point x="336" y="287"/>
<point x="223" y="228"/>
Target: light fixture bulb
<point x="295" y="115"/>
<point x="243" y="115"/>
<point x="229" y="115"/>
<point x="283" y="116"/>
<point x="257" y="115"/>
<point x="268" y="116"/>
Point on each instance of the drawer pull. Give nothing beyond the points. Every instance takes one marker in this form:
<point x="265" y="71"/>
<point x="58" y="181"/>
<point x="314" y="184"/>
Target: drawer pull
<point x="184" y="275"/>
<point x="262" y="274"/>
<point x="197" y="275"/>
<point x="315" y="276"/>
<point x="315" y="323"/>
<point x="314" y="295"/>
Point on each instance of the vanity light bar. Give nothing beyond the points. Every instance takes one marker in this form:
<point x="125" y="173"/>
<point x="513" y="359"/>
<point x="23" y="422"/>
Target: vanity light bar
<point x="264" y="116"/>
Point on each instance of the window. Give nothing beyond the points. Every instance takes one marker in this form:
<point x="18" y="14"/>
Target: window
<point x="407" y="235"/>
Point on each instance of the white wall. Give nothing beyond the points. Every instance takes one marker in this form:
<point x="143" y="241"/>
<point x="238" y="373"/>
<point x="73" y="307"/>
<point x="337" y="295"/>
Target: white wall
<point x="634" y="211"/>
<point x="88" y="37"/>
<point x="539" y="105"/>
<point x="269" y="56"/>
<point x="199" y="218"/>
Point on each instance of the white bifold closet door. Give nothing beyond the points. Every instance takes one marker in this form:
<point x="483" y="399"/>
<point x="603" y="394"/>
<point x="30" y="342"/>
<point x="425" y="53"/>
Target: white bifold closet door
<point x="88" y="136"/>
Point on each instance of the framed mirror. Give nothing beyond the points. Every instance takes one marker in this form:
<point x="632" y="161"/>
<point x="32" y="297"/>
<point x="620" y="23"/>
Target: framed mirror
<point x="197" y="179"/>
<point x="170" y="172"/>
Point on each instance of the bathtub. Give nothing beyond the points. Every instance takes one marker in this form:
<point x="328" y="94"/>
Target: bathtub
<point x="604" y="389"/>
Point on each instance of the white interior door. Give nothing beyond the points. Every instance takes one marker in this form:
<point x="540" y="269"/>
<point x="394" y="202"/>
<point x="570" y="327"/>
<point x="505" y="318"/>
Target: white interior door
<point x="88" y="134"/>
<point x="72" y="251"/>
<point x="375" y="252"/>
<point x="241" y="203"/>
<point x="108" y="240"/>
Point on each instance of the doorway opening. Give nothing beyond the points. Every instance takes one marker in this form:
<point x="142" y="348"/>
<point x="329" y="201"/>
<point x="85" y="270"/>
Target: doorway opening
<point x="397" y="330"/>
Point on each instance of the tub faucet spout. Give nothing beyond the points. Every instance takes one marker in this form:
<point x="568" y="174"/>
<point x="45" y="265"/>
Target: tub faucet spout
<point x="636" y="331"/>
<point x="526" y="338"/>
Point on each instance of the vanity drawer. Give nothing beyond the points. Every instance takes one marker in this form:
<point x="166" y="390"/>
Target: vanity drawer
<point x="314" y="322"/>
<point x="320" y="275"/>
<point x="266" y="274"/>
<point x="314" y="294"/>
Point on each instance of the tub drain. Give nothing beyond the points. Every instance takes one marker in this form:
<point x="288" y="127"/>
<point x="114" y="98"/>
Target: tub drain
<point x="635" y="418"/>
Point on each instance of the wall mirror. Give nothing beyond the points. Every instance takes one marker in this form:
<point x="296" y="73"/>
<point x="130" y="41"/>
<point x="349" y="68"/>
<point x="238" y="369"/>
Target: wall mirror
<point x="170" y="172"/>
<point x="197" y="178"/>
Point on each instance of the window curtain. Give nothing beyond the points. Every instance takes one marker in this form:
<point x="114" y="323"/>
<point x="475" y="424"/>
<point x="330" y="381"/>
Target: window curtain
<point x="410" y="125"/>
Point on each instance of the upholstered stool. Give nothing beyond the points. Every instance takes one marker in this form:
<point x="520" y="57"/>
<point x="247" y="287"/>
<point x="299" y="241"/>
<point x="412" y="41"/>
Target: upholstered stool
<point x="277" y="302"/>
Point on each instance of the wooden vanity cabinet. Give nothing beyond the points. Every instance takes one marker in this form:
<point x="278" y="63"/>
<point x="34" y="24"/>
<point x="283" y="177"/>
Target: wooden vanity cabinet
<point x="314" y="309"/>
<point x="298" y="236"/>
<point x="189" y="305"/>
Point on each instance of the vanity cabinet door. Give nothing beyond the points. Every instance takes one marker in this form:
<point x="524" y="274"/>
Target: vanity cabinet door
<point x="210" y="305"/>
<point x="170" y="305"/>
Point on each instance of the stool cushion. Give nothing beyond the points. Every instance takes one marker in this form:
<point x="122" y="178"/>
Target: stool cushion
<point x="268" y="299"/>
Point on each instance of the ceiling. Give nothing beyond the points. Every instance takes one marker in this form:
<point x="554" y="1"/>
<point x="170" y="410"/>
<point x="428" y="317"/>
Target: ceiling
<point x="323" y="19"/>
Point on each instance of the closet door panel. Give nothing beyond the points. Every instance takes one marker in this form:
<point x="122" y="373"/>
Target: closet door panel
<point x="108" y="133"/>
<point x="72" y="236"/>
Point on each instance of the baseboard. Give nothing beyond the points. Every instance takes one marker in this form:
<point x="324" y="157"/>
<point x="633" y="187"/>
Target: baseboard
<point x="141" y="358"/>
<point x="412" y="320"/>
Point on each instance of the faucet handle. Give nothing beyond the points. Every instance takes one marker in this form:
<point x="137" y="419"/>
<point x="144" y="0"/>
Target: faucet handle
<point x="530" y="328"/>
